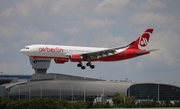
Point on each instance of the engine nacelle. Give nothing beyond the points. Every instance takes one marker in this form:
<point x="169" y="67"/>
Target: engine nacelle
<point x="75" y="58"/>
<point x="61" y="60"/>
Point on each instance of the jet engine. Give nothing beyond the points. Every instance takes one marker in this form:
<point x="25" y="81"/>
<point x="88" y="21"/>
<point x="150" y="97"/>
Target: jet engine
<point x="75" y="58"/>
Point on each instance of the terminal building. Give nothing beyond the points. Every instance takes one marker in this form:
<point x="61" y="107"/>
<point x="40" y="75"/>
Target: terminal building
<point x="69" y="87"/>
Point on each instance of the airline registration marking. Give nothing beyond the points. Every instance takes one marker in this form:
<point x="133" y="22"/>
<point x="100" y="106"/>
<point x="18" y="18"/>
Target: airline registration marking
<point x="50" y="49"/>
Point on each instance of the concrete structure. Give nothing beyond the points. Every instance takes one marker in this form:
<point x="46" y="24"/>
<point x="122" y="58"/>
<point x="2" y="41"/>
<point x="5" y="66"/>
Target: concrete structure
<point x="77" y="88"/>
<point x="40" y="65"/>
<point x="8" y="81"/>
<point x="53" y="76"/>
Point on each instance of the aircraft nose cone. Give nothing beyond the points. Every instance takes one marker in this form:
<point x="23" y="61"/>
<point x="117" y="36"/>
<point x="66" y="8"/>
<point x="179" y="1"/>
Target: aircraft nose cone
<point x="23" y="51"/>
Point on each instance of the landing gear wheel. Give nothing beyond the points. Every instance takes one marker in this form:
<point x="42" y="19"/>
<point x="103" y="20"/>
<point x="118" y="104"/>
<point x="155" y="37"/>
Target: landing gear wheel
<point x="88" y="64"/>
<point x="92" y="66"/>
<point x="79" y="65"/>
<point x="83" y="67"/>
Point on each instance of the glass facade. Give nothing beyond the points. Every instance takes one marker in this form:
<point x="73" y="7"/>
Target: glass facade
<point x="154" y="92"/>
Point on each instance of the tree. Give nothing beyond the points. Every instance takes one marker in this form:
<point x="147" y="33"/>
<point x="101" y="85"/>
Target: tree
<point x="89" y="102"/>
<point x="42" y="103"/>
<point x="4" y="102"/>
<point x="168" y="103"/>
<point x="177" y="104"/>
<point x="117" y="99"/>
<point x="98" y="105"/>
<point x="129" y="102"/>
<point x="107" y="105"/>
<point x="80" y="104"/>
<point x="66" y="104"/>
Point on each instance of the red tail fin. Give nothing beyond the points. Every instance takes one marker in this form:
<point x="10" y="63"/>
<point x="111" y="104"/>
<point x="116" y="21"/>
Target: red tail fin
<point x="142" y="40"/>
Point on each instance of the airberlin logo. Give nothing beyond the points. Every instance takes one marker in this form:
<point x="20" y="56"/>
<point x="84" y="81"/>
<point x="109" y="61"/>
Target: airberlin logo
<point x="143" y="42"/>
<point x="50" y="49"/>
<point x="144" y="39"/>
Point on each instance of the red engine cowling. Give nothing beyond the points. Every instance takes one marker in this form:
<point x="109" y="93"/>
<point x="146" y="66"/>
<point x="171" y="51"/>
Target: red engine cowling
<point x="75" y="58"/>
<point x="61" y="60"/>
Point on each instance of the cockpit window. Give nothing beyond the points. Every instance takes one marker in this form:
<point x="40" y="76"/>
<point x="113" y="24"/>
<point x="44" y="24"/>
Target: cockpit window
<point x="26" y="47"/>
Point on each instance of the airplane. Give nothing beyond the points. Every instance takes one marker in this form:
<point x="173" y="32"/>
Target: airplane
<point x="62" y="54"/>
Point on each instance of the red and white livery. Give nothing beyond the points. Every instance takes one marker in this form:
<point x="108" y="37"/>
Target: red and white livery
<point x="62" y="54"/>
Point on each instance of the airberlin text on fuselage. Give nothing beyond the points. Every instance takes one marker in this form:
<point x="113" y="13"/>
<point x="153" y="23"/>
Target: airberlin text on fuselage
<point x="50" y="49"/>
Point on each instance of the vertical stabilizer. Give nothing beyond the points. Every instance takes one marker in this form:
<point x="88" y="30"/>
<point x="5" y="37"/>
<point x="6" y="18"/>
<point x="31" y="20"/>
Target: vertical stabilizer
<point x="142" y="40"/>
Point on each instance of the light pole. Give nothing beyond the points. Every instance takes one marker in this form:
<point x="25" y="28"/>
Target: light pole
<point x="158" y="88"/>
<point x="129" y="91"/>
<point x="103" y="92"/>
<point x="72" y="90"/>
<point x="60" y="92"/>
<point x="29" y="93"/>
<point x="19" y="92"/>
<point x="84" y="92"/>
<point x="8" y="92"/>
<point x="41" y="90"/>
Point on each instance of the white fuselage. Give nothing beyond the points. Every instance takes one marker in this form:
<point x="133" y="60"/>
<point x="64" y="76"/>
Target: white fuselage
<point x="53" y="51"/>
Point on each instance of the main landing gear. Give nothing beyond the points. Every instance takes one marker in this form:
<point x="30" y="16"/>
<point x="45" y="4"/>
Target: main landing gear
<point x="87" y="64"/>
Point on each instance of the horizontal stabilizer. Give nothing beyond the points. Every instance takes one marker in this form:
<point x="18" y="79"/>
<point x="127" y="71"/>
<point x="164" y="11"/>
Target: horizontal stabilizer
<point x="145" y="52"/>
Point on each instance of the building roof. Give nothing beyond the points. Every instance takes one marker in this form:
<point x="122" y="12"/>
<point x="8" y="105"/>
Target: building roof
<point x="16" y="76"/>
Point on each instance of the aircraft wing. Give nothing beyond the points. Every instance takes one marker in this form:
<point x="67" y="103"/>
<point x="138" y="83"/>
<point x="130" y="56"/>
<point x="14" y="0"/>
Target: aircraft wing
<point x="100" y="53"/>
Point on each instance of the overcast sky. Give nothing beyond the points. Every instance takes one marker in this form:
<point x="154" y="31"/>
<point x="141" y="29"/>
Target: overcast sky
<point x="99" y="23"/>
